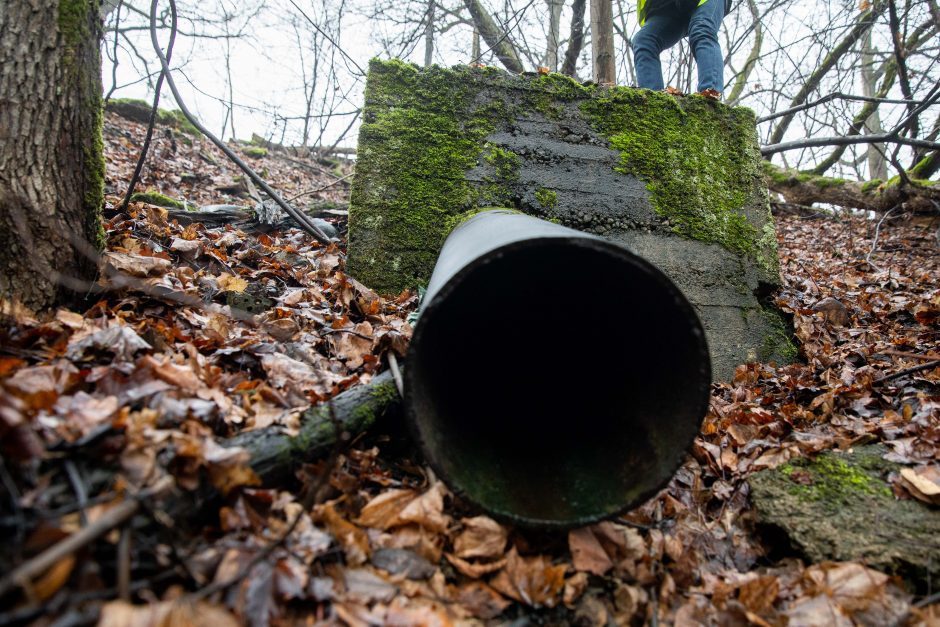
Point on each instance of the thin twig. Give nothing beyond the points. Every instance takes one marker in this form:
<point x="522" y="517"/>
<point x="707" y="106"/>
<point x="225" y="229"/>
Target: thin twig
<point x="124" y="564"/>
<point x="301" y="219"/>
<point x="896" y="353"/>
<point x="320" y="189"/>
<point x="396" y="373"/>
<point x="14" y="494"/>
<point x="930" y="365"/>
<point x="25" y="573"/>
<point x="81" y="494"/>
<point x="928" y="600"/>
<point x="874" y="241"/>
<point x="153" y="116"/>
<point x="349" y="331"/>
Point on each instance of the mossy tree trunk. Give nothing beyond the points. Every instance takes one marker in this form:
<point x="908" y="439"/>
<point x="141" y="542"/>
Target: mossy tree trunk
<point x="51" y="163"/>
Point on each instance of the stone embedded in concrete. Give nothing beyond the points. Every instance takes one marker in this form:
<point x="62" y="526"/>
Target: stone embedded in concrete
<point x="677" y="180"/>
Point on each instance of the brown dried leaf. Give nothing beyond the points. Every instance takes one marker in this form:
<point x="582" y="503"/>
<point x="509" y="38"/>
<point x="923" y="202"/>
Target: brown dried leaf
<point x="481" y="600"/>
<point x="427" y="510"/>
<point x="482" y="537"/>
<point x="534" y="581"/>
<point x="178" y="613"/>
<point x="759" y="595"/>
<point x="475" y="570"/>
<point x="230" y="283"/>
<point x="923" y="483"/>
<point x="383" y="510"/>
<point x="53" y="579"/>
<point x="354" y="540"/>
<point x="134" y="265"/>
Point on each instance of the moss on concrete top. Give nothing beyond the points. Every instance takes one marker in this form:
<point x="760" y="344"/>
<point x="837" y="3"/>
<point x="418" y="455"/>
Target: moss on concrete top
<point x="425" y="130"/>
<point x="700" y="161"/>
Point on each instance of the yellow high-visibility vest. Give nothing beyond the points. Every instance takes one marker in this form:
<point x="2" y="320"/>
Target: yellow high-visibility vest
<point x="641" y="9"/>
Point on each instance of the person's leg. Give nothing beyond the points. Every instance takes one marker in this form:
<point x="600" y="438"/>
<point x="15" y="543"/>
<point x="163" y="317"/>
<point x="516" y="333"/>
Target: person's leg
<point x="658" y="33"/>
<point x="703" y="38"/>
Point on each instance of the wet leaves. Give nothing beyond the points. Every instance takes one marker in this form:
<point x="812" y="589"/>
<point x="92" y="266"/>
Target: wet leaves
<point x="208" y="332"/>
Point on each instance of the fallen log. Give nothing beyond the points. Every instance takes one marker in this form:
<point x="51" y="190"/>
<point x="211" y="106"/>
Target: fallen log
<point x="275" y="454"/>
<point x="803" y="188"/>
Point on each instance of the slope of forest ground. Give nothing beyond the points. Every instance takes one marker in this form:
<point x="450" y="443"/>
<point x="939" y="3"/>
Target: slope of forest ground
<point x="128" y="401"/>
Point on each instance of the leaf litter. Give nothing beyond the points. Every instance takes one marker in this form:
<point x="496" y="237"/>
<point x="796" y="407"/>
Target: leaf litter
<point x="218" y="331"/>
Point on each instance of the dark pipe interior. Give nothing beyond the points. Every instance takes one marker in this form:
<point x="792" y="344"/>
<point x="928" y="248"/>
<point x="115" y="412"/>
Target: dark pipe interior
<point x="558" y="381"/>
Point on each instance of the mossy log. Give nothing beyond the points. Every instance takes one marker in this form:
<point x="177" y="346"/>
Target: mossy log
<point x="677" y="180"/>
<point x="805" y="189"/>
<point x="840" y="507"/>
<point x="275" y="454"/>
<point x="139" y="111"/>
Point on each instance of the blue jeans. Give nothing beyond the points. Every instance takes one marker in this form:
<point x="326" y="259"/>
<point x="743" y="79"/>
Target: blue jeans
<point x="664" y="30"/>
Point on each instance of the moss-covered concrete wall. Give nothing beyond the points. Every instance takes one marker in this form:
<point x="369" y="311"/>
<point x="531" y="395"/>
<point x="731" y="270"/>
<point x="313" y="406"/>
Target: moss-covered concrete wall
<point x="678" y="180"/>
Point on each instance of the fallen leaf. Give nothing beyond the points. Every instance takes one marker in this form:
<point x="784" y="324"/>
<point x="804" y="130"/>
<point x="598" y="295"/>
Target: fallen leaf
<point x="134" y="265"/>
<point x="178" y="613"/>
<point x="230" y="283"/>
<point x="51" y="581"/>
<point x="534" y="581"/>
<point x="402" y="562"/>
<point x="427" y="510"/>
<point x="383" y="510"/>
<point x="472" y="569"/>
<point x="923" y="483"/>
<point x="367" y="587"/>
<point x="758" y="595"/>
<point x="481" y="600"/>
<point x="354" y="540"/>
<point x="482" y="537"/>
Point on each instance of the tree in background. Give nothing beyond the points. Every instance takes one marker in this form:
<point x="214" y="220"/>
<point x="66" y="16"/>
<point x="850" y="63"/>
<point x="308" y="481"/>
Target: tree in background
<point x="51" y="162"/>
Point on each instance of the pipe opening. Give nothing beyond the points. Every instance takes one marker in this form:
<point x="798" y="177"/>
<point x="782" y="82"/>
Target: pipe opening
<point x="557" y="381"/>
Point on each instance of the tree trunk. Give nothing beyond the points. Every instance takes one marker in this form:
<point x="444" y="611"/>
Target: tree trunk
<point x="554" y="26"/>
<point x="602" y="41"/>
<point x="575" y="38"/>
<point x="877" y="164"/>
<point x="51" y="160"/>
<point x="494" y="36"/>
<point x="429" y="35"/>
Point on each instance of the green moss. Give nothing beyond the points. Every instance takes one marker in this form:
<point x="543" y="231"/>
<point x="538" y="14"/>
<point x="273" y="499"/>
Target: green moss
<point x="139" y="111"/>
<point x="869" y="187"/>
<point x="74" y="22"/>
<point x="424" y="127"/>
<point x="699" y="167"/>
<point x="778" y="338"/>
<point x="257" y="152"/>
<point x="824" y="182"/>
<point x="830" y="479"/>
<point x="926" y="167"/>
<point x="506" y="162"/>
<point x="788" y="178"/>
<point x="547" y="198"/>
<point x="94" y="176"/>
<point x="158" y="199"/>
<point x="176" y="119"/>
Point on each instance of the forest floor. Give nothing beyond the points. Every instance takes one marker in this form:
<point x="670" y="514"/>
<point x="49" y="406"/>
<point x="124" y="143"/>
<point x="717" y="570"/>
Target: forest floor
<point x="133" y="396"/>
